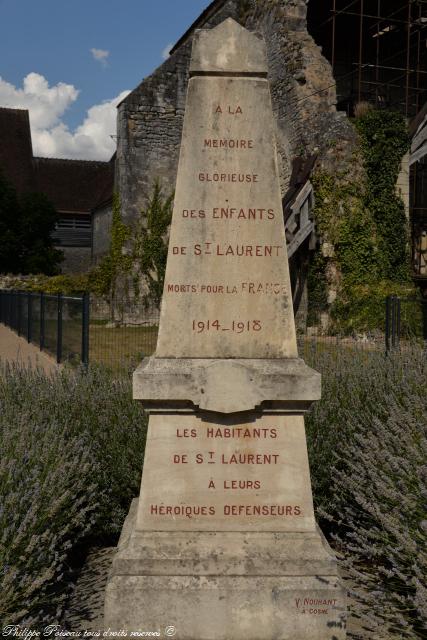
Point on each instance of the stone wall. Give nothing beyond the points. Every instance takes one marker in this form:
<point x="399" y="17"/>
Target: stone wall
<point x="76" y="259"/>
<point x="101" y="230"/>
<point x="149" y="125"/>
<point x="303" y="93"/>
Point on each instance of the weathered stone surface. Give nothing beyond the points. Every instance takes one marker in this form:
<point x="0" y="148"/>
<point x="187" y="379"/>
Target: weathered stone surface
<point x="150" y="119"/>
<point x="227" y="585"/>
<point x="220" y="553"/>
<point x="226" y="386"/>
<point x="233" y="50"/>
<point x="227" y="247"/>
<point x="76" y="259"/>
<point x="201" y="474"/>
<point x="223" y="538"/>
<point x="229" y="607"/>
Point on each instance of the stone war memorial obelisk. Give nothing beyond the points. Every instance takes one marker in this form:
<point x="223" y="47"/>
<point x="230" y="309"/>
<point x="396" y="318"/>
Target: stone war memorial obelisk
<point x="222" y="543"/>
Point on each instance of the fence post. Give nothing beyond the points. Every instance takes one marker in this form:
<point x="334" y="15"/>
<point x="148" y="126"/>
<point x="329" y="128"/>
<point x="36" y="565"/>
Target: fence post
<point x="387" y="323"/>
<point x="397" y="321"/>
<point x="29" y="315"/>
<point x="85" y="328"/>
<point x="7" y="314"/>
<point x="393" y="321"/>
<point x="19" y="314"/>
<point x="42" y="303"/>
<point x="9" y="309"/>
<point x="59" y="330"/>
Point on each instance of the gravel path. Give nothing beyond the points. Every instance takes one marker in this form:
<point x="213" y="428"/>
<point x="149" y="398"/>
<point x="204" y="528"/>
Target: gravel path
<point x="85" y="610"/>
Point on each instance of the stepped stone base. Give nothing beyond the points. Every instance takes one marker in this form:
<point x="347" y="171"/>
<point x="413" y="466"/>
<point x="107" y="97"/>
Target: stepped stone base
<point x="225" y="586"/>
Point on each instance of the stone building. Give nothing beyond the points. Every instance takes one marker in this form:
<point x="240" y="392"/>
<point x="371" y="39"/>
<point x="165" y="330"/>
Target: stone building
<point x="304" y="101"/>
<point x="79" y="189"/>
<point x="303" y="90"/>
<point x="324" y="58"/>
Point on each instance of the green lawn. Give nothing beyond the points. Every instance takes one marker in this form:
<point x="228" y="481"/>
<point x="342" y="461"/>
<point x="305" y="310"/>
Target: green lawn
<point x="120" y="347"/>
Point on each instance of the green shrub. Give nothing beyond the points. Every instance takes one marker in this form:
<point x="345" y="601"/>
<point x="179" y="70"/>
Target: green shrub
<point x="72" y="451"/>
<point x="368" y="452"/>
<point x="26" y="225"/>
<point x="150" y="248"/>
<point x="361" y="308"/>
<point x="361" y="220"/>
<point x="384" y="141"/>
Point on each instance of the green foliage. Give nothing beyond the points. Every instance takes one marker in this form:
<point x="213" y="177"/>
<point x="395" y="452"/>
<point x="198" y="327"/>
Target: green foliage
<point x="9" y="239"/>
<point x="363" y="220"/>
<point x="344" y="221"/>
<point x="63" y="283"/>
<point x="132" y="252"/>
<point x="361" y="308"/>
<point x="26" y="245"/>
<point x="72" y="451"/>
<point x="103" y="279"/>
<point x="384" y="141"/>
<point x="367" y="448"/>
<point x="317" y="286"/>
<point x="151" y="246"/>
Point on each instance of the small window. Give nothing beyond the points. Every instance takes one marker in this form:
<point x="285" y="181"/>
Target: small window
<point x="73" y="231"/>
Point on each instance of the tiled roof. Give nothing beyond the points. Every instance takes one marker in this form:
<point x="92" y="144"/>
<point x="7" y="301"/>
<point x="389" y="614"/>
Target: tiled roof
<point x="71" y="185"/>
<point x="74" y="185"/>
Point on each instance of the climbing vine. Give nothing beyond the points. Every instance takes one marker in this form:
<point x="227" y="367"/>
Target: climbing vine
<point x="151" y="247"/>
<point x="384" y="141"/>
<point x="116" y="262"/>
<point x="135" y="253"/>
<point x="363" y="226"/>
<point x="318" y="288"/>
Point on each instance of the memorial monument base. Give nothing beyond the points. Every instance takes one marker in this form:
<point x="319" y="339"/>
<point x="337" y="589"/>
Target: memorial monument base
<point x="225" y="585"/>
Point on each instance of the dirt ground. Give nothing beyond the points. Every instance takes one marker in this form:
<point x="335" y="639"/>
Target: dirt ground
<point x="18" y="350"/>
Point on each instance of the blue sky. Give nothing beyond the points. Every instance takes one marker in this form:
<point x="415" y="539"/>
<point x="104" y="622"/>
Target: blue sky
<point x="79" y="54"/>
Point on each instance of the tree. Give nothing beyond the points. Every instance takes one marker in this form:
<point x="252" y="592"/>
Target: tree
<point x="26" y="226"/>
<point x="38" y="219"/>
<point x="9" y="237"/>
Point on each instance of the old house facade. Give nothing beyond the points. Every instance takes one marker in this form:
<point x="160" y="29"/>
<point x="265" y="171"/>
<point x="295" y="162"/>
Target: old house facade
<point x="79" y="189"/>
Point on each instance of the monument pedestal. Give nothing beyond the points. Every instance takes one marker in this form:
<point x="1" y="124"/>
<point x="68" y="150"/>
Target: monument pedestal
<point x="222" y="543"/>
<point x="225" y="585"/>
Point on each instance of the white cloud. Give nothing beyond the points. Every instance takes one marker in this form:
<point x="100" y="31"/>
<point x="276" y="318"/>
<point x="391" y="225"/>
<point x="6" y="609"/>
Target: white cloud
<point x="165" y="52"/>
<point x="46" y="104"/>
<point x="100" y="55"/>
<point x="51" y="136"/>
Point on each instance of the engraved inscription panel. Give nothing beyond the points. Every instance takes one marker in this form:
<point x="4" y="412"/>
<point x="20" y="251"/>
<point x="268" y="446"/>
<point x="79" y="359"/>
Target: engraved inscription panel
<point x="202" y="475"/>
<point x="227" y="291"/>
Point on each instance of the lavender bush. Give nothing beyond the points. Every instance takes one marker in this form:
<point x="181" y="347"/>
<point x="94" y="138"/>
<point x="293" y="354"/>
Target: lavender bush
<point x="71" y="458"/>
<point x="368" y="451"/>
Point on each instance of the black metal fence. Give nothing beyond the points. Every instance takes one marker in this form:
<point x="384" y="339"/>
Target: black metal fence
<point x="58" y="324"/>
<point x="118" y="335"/>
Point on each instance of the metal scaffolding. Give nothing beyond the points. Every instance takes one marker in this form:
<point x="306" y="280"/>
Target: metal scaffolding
<point x="377" y="49"/>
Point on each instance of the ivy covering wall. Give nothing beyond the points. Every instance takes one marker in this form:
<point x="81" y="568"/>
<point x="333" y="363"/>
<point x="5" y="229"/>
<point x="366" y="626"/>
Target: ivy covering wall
<point x="134" y="265"/>
<point x="361" y="219"/>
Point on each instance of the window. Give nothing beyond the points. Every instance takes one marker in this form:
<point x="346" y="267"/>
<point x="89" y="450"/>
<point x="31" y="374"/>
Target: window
<point x="73" y="231"/>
